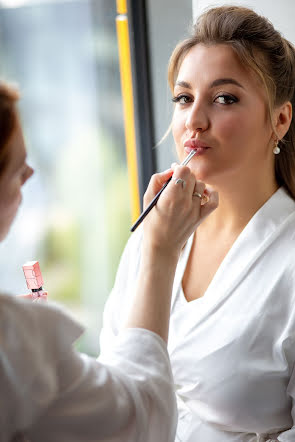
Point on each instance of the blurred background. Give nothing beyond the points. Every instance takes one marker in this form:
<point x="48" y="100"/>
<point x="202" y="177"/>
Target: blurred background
<point x="76" y="209"/>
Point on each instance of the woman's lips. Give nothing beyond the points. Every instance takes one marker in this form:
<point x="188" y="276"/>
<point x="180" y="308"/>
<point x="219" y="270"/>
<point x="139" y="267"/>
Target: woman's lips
<point x="196" y="145"/>
<point x="199" y="150"/>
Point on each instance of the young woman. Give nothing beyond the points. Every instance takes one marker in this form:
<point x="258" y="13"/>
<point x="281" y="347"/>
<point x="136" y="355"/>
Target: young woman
<point x="49" y="392"/>
<point x="232" y="324"/>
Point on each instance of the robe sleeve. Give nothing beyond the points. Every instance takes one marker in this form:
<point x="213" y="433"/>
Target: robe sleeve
<point x="129" y="398"/>
<point x="115" y="312"/>
<point x="118" y="302"/>
<point x="33" y="339"/>
<point x="50" y="392"/>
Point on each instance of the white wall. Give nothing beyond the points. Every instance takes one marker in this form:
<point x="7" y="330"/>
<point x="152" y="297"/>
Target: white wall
<point x="281" y="13"/>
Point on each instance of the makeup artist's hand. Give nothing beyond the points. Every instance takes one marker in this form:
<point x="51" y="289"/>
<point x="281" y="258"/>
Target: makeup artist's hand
<point x="178" y="212"/>
<point x="166" y="228"/>
<point x="29" y="296"/>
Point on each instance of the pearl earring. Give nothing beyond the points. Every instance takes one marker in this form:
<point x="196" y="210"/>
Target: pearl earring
<point x="276" y="150"/>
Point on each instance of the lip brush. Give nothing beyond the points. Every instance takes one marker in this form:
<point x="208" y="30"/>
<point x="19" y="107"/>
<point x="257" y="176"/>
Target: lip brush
<point x="155" y="199"/>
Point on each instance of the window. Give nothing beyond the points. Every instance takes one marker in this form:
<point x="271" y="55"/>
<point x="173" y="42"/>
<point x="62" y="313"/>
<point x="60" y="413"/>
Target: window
<point x="175" y="17"/>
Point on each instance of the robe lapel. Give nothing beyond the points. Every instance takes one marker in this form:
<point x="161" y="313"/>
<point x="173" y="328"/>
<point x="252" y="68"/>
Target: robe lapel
<point x="258" y="235"/>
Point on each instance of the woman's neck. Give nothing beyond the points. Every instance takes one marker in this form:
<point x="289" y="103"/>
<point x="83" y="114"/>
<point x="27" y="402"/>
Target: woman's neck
<point x="238" y="203"/>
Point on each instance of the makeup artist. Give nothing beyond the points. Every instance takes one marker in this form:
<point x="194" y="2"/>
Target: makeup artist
<point x="232" y="324"/>
<point x="49" y="392"/>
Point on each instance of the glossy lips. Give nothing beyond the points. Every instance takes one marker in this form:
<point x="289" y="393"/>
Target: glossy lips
<point x="193" y="144"/>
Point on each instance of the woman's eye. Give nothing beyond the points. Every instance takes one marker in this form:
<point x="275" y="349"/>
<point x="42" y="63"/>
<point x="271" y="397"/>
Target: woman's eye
<point x="226" y="99"/>
<point x="182" y="99"/>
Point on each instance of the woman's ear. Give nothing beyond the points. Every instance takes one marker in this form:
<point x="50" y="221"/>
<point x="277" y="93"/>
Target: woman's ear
<point x="282" y="119"/>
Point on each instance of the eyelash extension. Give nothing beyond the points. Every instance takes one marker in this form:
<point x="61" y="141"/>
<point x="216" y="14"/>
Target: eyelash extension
<point x="227" y="97"/>
<point x="179" y="97"/>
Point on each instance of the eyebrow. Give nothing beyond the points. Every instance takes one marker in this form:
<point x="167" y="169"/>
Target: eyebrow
<point x="217" y="82"/>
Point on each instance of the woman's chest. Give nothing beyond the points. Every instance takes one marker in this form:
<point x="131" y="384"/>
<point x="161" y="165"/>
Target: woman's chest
<point x="233" y="361"/>
<point x="203" y="262"/>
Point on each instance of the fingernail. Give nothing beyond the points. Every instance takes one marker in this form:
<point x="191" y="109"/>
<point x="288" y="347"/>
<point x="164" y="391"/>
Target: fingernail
<point x="173" y="165"/>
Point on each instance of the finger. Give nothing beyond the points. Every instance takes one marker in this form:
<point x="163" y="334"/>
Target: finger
<point x="198" y="191"/>
<point x="27" y="296"/>
<point x="182" y="184"/>
<point x="41" y="299"/>
<point x="173" y="165"/>
<point x="211" y="205"/>
<point x="156" y="183"/>
<point x="199" y="188"/>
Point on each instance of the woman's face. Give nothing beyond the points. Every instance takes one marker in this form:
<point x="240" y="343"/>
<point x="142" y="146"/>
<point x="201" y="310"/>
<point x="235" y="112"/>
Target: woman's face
<point x="12" y="179"/>
<point x="221" y="111"/>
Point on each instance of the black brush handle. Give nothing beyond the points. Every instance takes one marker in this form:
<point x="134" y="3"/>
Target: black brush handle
<point x="149" y="207"/>
<point x="155" y="199"/>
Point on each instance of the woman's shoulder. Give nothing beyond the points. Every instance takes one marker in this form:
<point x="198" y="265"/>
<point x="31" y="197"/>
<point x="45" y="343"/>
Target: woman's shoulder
<point x="276" y="222"/>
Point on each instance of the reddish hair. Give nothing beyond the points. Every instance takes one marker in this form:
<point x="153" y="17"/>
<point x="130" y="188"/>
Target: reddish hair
<point x="8" y="120"/>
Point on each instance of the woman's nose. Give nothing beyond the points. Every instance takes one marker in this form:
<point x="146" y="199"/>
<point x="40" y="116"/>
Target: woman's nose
<point x="197" y="119"/>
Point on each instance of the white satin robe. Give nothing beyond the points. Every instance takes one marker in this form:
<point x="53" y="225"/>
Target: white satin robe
<point x="233" y="350"/>
<point x="50" y="393"/>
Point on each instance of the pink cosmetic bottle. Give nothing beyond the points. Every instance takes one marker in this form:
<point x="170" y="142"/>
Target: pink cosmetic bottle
<point x="34" y="280"/>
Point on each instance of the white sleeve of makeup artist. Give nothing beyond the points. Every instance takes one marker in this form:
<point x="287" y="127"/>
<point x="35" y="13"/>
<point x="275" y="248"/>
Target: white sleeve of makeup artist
<point x="130" y="399"/>
<point x="115" y="314"/>
<point x="50" y="392"/>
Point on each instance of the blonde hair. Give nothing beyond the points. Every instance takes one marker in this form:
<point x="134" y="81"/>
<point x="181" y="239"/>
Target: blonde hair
<point x="261" y="48"/>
